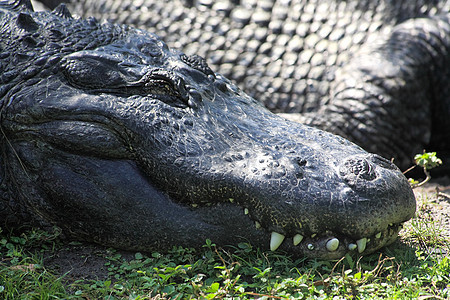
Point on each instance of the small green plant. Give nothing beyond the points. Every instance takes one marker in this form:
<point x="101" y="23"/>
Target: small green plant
<point x="426" y="161"/>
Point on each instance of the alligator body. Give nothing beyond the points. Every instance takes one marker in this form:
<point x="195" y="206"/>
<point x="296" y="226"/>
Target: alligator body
<point x="373" y="71"/>
<point x="119" y="140"/>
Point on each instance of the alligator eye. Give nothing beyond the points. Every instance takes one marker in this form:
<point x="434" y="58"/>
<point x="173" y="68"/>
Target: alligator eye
<point x="95" y="72"/>
<point x="99" y="73"/>
<point x="198" y="63"/>
<point x="167" y="87"/>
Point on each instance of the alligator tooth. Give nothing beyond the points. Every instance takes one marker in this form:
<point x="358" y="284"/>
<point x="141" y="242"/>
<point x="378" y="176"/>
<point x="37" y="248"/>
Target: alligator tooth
<point x="313" y="235"/>
<point x="332" y="244"/>
<point x="257" y="225"/>
<point x="378" y="235"/>
<point x="275" y="240"/>
<point x="361" y="244"/>
<point x="352" y="247"/>
<point x="245" y="211"/>
<point x="310" y="246"/>
<point x="297" y="239"/>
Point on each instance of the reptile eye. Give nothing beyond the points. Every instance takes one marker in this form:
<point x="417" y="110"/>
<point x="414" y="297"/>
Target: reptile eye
<point x="99" y="73"/>
<point x="95" y="72"/>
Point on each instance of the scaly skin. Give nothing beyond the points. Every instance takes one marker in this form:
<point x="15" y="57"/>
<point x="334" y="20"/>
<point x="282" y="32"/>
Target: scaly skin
<point x="119" y="140"/>
<point x="373" y="71"/>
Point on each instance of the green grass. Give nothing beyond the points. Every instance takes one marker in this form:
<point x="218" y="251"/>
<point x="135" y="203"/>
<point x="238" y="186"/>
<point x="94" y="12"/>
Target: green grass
<point x="411" y="269"/>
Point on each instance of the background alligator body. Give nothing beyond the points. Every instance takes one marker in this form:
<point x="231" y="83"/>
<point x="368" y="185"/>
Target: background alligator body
<point x="119" y="140"/>
<point x="373" y="71"/>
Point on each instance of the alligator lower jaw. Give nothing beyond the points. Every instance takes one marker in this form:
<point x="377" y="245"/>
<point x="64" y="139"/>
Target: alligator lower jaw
<point x="323" y="245"/>
<point x="333" y="246"/>
<point x="329" y="245"/>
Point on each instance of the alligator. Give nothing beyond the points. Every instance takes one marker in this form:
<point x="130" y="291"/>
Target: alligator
<point x="120" y="140"/>
<point x="374" y="72"/>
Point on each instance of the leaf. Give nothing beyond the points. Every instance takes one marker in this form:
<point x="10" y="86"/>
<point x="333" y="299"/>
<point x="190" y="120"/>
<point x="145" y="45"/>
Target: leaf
<point x="213" y="288"/>
<point x="169" y="289"/>
<point x="427" y="160"/>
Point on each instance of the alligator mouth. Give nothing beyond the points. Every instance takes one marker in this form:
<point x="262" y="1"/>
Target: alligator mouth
<point x="336" y="242"/>
<point x="328" y="244"/>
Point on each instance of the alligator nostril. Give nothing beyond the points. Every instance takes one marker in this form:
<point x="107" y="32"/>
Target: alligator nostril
<point x="357" y="168"/>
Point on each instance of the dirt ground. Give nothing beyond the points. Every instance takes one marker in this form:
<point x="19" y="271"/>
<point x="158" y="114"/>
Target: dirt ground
<point x="78" y="261"/>
<point x="433" y="199"/>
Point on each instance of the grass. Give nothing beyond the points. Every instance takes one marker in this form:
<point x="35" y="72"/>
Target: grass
<point x="417" y="267"/>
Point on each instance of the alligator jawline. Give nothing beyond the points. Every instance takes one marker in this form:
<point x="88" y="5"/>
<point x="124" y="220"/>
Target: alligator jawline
<point x="328" y="245"/>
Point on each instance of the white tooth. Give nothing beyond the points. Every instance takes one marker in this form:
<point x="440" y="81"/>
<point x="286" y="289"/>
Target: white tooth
<point x="275" y="240"/>
<point x="313" y="235"/>
<point x="310" y="246"/>
<point x="245" y="211"/>
<point x="332" y="244"/>
<point x="378" y="235"/>
<point x="361" y="244"/>
<point x="352" y="247"/>
<point x="257" y="225"/>
<point x="297" y="239"/>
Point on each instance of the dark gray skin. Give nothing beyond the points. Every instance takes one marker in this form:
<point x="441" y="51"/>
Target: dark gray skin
<point x="373" y="71"/>
<point x="119" y="140"/>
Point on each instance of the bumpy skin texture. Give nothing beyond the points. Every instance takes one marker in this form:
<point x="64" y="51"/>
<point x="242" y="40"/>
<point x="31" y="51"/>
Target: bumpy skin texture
<point x="373" y="71"/>
<point x="119" y="140"/>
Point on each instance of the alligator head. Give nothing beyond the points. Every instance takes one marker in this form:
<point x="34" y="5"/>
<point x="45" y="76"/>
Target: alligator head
<point x="121" y="141"/>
